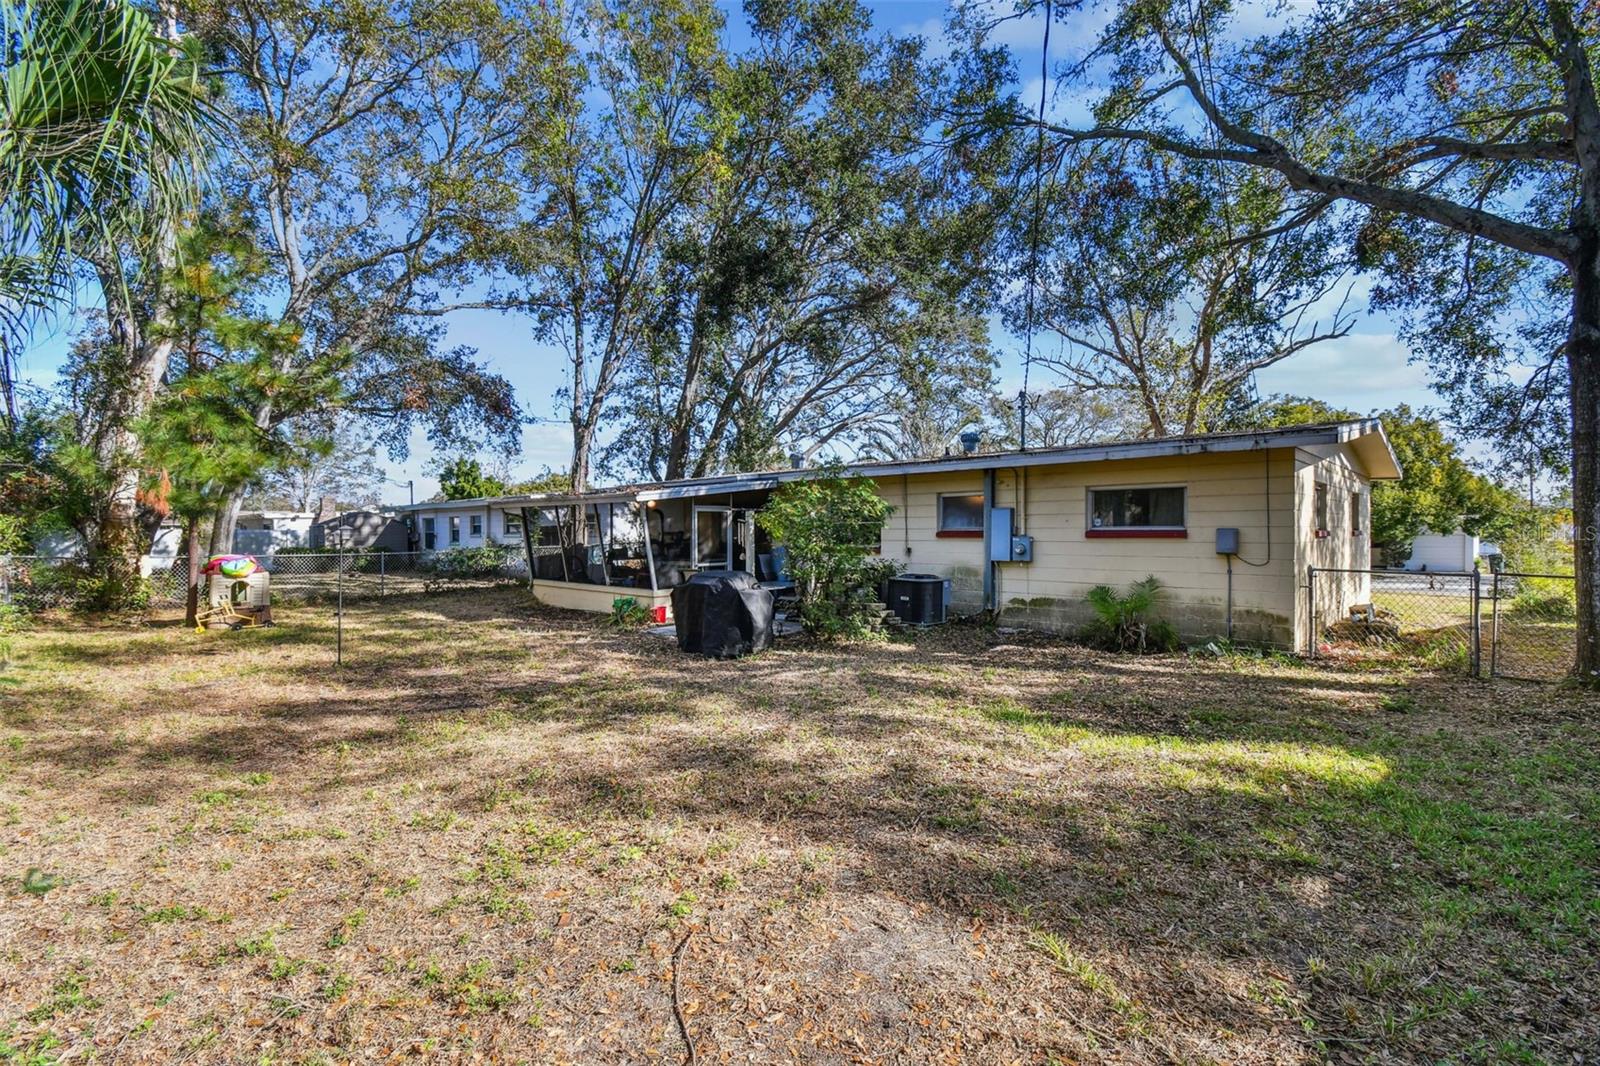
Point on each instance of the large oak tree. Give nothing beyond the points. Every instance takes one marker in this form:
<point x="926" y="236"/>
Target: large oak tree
<point x="1459" y="143"/>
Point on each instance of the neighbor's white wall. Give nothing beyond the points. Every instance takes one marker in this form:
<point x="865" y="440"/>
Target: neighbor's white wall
<point x="1441" y="551"/>
<point x="493" y="519"/>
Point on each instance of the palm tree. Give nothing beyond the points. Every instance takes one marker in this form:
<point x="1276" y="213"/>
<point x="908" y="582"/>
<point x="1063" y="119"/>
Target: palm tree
<point x="104" y="131"/>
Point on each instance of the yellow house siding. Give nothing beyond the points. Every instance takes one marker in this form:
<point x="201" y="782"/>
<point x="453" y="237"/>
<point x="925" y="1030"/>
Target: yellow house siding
<point x="911" y="538"/>
<point x="1338" y="468"/>
<point x="1222" y="489"/>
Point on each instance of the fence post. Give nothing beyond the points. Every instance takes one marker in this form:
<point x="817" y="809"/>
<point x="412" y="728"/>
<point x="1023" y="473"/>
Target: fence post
<point x="1494" y="625"/>
<point x="5" y="580"/>
<point x="338" y="614"/>
<point x="1311" y="609"/>
<point x="1477" y="621"/>
<point x="383" y="571"/>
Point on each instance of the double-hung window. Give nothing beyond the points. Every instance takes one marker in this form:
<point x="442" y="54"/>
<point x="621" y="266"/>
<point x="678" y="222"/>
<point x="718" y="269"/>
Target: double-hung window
<point x="1157" y="511"/>
<point x="511" y="522"/>
<point x="430" y="536"/>
<point x="455" y="529"/>
<point x="477" y="525"/>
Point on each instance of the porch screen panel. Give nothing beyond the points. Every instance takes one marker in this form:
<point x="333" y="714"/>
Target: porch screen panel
<point x="667" y="523"/>
<point x="625" y="547"/>
<point x="548" y="564"/>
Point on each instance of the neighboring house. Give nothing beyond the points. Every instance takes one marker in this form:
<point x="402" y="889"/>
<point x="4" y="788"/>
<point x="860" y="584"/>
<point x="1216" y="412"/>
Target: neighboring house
<point x="440" y="525"/>
<point x="1443" y="551"/>
<point x="165" y="546"/>
<point x="264" y="532"/>
<point x="357" y="529"/>
<point x="1096" y="514"/>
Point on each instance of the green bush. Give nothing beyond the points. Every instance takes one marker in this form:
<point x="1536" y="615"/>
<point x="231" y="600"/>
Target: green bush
<point x="831" y="526"/>
<point x="1127" y="621"/>
<point x="1553" y="598"/>
<point x="875" y="574"/>
<point x="81" y="587"/>
<point x="467" y="562"/>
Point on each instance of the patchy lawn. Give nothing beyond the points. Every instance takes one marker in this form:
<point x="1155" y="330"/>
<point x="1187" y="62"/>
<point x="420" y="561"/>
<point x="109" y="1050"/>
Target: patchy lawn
<point x="490" y="836"/>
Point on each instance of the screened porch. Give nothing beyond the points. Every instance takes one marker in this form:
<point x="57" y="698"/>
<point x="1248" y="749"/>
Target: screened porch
<point x="644" y="543"/>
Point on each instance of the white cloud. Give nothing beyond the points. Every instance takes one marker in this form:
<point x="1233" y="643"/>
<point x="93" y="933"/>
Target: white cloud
<point x="1363" y="372"/>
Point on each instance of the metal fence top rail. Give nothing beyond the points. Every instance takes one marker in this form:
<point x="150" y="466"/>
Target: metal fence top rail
<point x="1391" y="572"/>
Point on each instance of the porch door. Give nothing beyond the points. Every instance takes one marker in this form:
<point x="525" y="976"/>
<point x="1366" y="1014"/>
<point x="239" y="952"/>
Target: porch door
<point x="743" y="548"/>
<point x="713" y="540"/>
<point x="724" y="538"/>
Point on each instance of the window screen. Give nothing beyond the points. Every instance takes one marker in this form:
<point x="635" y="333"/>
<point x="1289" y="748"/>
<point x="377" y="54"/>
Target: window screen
<point x="512" y="524"/>
<point x="1159" y="508"/>
<point x="1319" y="508"/>
<point x="1355" y="514"/>
<point x="477" y="525"/>
<point x="961" y="514"/>
<point x="455" y="530"/>
<point x="429" y="539"/>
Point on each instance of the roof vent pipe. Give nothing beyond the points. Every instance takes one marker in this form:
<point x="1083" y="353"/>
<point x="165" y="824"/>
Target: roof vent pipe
<point x="969" y="441"/>
<point x="796" y="461"/>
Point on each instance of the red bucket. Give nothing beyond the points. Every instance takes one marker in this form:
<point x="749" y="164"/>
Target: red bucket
<point x="658" y="614"/>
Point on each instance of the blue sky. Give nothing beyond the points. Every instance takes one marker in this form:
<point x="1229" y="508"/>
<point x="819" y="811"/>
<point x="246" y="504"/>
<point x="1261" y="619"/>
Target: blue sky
<point x="1365" y="371"/>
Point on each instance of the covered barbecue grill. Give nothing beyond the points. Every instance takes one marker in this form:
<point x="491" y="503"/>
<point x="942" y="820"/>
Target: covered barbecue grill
<point x="722" y="614"/>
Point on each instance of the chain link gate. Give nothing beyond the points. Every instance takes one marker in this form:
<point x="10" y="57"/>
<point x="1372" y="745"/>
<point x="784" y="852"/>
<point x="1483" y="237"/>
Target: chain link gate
<point x="1511" y="625"/>
<point x="1533" y="626"/>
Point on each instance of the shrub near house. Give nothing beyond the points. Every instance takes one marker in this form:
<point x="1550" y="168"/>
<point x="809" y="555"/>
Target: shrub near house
<point x="831" y="526"/>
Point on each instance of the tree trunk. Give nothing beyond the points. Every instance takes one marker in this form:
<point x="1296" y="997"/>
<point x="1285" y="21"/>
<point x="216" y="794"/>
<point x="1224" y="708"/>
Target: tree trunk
<point x="191" y="596"/>
<point x="225" y="521"/>
<point x="682" y="431"/>
<point x="1583" y="361"/>
<point x="582" y="446"/>
<point x="146" y="348"/>
<point x="117" y="541"/>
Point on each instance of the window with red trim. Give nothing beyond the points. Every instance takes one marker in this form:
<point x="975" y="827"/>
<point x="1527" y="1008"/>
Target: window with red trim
<point x="961" y="515"/>
<point x="1156" y="511"/>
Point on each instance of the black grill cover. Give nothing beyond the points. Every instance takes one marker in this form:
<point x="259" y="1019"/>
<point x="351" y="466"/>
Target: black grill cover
<point x="722" y="614"/>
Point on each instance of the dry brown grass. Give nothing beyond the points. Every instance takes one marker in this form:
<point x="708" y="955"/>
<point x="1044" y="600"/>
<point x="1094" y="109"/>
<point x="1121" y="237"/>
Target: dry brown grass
<point x="484" y="837"/>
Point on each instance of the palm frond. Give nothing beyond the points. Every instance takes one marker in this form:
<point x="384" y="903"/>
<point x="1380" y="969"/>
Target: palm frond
<point x="104" y="132"/>
<point x="1105" y="602"/>
<point x="1143" y="595"/>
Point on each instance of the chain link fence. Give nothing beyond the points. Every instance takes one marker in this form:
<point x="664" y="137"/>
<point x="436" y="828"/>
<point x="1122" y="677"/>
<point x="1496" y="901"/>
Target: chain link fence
<point x="1510" y="625"/>
<point x="36" y="583"/>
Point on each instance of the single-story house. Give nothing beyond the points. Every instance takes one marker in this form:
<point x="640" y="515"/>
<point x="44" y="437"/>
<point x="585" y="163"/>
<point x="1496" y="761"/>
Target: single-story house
<point x="264" y="532"/>
<point x="360" y="530"/>
<point x="441" y="525"/>
<point x="1230" y="523"/>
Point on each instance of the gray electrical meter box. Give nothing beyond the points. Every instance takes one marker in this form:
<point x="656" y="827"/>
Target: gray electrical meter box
<point x="1000" y="534"/>
<point x="1004" y="545"/>
<point x="1227" y="542"/>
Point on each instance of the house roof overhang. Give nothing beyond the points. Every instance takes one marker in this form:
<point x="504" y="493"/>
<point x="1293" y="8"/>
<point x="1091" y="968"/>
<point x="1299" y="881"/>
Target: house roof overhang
<point x="1365" y="437"/>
